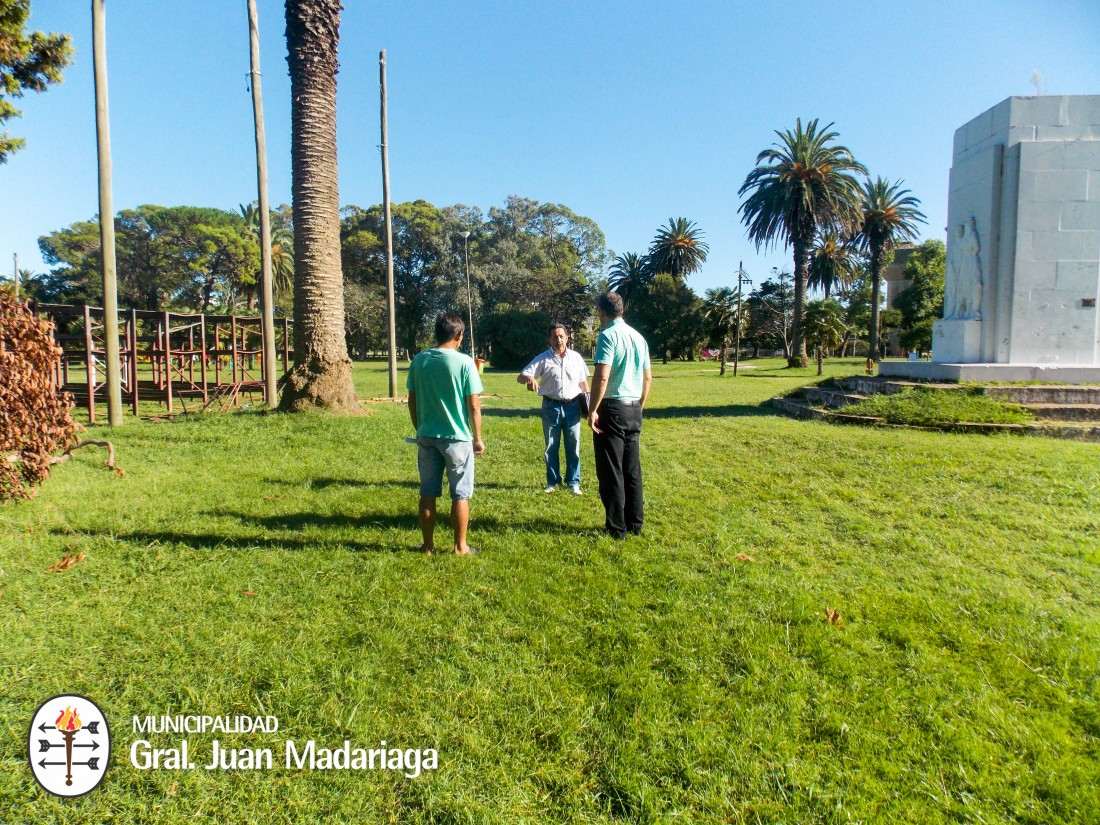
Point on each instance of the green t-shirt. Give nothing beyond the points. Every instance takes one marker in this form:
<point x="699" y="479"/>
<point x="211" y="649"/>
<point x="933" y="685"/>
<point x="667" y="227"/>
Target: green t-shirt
<point x="625" y="350"/>
<point x="442" y="379"/>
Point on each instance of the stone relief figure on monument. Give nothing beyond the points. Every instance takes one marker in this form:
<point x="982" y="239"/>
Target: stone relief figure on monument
<point x="963" y="290"/>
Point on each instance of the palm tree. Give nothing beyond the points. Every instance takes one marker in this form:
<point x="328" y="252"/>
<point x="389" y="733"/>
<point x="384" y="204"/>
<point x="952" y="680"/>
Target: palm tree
<point x="720" y="310"/>
<point x="321" y="376"/>
<point x="629" y="275"/>
<point x="890" y="217"/>
<point x="282" y="261"/>
<point x="832" y="264"/>
<point x="800" y="186"/>
<point x="678" y="249"/>
<point x="282" y="249"/>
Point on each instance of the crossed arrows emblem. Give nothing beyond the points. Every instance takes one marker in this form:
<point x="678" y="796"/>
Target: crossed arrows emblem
<point x="44" y="746"/>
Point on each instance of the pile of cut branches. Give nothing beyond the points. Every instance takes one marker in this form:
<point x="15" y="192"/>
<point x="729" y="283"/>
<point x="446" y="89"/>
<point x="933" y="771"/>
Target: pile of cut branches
<point x="35" y="418"/>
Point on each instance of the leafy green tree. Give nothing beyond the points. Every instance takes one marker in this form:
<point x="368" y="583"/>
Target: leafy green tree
<point x="678" y="249"/>
<point x="720" y="311"/>
<point x="918" y="338"/>
<point x="890" y="217"/>
<point x="515" y="336"/>
<point x="832" y="265"/>
<point x="421" y="259"/>
<point x="670" y="316"/>
<point x="921" y="302"/>
<point x="544" y="257"/>
<point x="74" y="254"/>
<point x="365" y="318"/>
<point x="29" y="61"/>
<point x="321" y="375"/>
<point x="182" y="257"/>
<point x="801" y="186"/>
<point x="575" y="245"/>
<point x="770" y="312"/>
<point x="857" y="310"/>
<point x="825" y="327"/>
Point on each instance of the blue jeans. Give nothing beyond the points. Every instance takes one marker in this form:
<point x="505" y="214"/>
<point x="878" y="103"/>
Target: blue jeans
<point x="558" y="420"/>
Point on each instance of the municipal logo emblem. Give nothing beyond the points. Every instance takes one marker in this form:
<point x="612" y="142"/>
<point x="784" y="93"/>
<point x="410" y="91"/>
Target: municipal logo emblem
<point x="69" y="745"/>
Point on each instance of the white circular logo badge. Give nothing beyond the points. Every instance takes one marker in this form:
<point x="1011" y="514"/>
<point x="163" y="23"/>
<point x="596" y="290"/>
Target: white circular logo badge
<point x="69" y="745"/>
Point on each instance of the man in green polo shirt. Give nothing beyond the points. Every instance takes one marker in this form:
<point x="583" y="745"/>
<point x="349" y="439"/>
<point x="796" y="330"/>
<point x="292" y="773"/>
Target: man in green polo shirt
<point x="443" y="387"/>
<point x="620" y="388"/>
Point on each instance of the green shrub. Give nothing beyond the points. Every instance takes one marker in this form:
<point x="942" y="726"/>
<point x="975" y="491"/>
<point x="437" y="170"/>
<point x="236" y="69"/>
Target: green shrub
<point x="515" y="336"/>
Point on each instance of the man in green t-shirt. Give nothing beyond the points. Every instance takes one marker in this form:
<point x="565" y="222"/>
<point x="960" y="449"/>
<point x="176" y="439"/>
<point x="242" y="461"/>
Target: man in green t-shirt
<point x="443" y="387"/>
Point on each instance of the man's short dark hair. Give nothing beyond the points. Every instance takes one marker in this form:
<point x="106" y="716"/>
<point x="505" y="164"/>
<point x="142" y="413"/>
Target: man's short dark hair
<point x="611" y="303"/>
<point x="448" y="326"/>
<point x="550" y="329"/>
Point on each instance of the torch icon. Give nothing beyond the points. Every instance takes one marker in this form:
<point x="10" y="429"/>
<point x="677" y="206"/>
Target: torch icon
<point x="68" y="724"/>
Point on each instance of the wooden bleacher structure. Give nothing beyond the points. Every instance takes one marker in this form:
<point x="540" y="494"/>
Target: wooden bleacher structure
<point x="168" y="357"/>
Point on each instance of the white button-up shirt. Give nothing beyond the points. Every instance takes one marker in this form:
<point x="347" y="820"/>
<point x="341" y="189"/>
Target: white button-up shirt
<point x="559" y="376"/>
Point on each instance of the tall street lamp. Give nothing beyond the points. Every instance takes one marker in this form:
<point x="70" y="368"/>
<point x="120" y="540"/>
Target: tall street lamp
<point x="469" y="295"/>
<point x="741" y="280"/>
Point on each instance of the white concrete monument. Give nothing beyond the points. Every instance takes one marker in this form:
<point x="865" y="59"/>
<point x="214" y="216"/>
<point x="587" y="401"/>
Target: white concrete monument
<point x="1023" y="247"/>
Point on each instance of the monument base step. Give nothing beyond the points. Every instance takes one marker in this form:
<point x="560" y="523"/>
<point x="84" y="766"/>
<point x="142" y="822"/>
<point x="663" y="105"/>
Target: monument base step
<point x="1064" y="412"/>
<point x="1046" y="373"/>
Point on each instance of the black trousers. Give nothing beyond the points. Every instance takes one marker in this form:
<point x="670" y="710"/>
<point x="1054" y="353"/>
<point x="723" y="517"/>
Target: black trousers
<point x="619" y="465"/>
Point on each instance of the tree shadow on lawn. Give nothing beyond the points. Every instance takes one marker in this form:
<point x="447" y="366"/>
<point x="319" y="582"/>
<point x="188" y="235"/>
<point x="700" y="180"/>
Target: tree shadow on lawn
<point x="285" y="532"/>
<point x="297" y="522"/>
<point x="493" y="412"/>
<point x="695" y="411"/>
<point x="325" y="483"/>
<point x="213" y="541"/>
<point x="715" y="411"/>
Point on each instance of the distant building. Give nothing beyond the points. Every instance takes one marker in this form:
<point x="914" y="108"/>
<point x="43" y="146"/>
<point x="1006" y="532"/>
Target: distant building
<point x="896" y="282"/>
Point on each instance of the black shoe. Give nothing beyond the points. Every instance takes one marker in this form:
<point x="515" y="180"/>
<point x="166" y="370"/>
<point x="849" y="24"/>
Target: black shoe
<point x="615" y="535"/>
<point x="634" y="531"/>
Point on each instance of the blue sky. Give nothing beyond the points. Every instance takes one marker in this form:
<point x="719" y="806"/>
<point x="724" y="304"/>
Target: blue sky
<point x="627" y="112"/>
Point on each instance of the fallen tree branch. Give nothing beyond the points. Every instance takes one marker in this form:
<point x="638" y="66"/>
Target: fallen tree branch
<point x="90" y="442"/>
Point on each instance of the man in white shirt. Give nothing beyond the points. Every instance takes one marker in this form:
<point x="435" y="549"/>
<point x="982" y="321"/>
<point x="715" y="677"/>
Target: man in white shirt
<point x="560" y="376"/>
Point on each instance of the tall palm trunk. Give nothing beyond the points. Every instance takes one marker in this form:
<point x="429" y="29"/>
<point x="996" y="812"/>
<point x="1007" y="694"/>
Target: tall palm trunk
<point x="877" y="254"/>
<point x="321" y="376"/>
<point x="798" y="357"/>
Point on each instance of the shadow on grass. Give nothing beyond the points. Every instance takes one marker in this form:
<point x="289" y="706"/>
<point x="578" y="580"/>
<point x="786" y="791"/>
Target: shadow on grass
<point x="716" y="411"/>
<point x="285" y="532"/>
<point x="356" y="483"/>
<point x="492" y="412"/>
<point x="294" y="523"/>
<point x="695" y="411"/>
<point x="288" y="540"/>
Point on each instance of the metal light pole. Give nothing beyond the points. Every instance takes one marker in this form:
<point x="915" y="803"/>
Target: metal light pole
<point x="741" y="279"/>
<point x="469" y="295"/>
<point x="15" y="274"/>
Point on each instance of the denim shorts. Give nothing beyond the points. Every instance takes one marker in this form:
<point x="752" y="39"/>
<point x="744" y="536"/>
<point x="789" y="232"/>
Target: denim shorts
<point x="436" y="455"/>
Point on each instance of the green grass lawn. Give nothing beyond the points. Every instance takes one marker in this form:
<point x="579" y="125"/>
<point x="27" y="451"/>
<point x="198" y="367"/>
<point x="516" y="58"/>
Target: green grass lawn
<point x="256" y="563"/>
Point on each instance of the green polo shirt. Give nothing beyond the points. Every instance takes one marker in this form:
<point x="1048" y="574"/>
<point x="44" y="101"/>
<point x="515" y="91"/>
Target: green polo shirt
<point x="624" y="349"/>
<point x="442" y="379"/>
